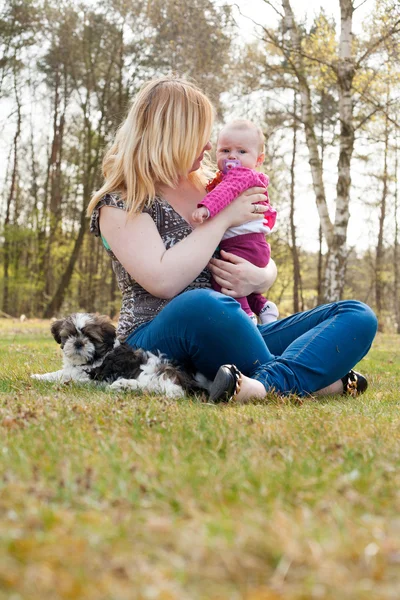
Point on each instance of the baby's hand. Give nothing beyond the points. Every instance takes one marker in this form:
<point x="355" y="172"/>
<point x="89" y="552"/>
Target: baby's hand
<point x="200" y="215"/>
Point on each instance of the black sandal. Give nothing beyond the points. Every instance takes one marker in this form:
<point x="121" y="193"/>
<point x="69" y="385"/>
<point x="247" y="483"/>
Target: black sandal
<point x="354" y="383"/>
<point x="226" y="384"/>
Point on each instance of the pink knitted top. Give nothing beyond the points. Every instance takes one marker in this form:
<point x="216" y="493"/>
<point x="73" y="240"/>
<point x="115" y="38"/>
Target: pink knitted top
<point x="224" y="188"/>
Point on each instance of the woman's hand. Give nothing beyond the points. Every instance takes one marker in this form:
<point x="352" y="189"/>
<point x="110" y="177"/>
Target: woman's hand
<point x="238" y="277"/>
<point x="244" y="208"/>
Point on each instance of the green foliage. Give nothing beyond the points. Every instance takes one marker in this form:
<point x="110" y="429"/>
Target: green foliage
<point x="19" y="24"/>
<point x="194" y="39"/>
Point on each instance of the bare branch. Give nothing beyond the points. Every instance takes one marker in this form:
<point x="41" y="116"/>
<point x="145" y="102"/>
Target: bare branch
<point x="357" y="7"/>
<point x="377" y="107"/>
<point x="367" y="118"/>
<point x="375" y="45"/>
<point x="273" y="8"/>
<point x="281" y="46"/>
<point x="319" y="61"/>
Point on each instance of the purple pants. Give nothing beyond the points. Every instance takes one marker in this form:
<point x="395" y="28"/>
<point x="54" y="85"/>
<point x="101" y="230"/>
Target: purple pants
<point x="254" y="248"/>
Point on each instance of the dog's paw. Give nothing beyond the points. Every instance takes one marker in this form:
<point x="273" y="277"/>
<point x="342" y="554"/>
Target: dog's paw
<point x="124" y="384"/>
<point x="174" y="391"/>
<point x="56" y="376"/>
<point x="203" y="382"/>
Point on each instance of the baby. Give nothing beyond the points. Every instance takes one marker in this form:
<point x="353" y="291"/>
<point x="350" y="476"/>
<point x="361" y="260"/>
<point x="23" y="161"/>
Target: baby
<point x="240" y="149"/>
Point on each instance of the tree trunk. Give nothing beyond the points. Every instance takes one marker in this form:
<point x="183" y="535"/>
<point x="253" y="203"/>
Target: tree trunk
<point x="320" y="266"/>
<point x="295" y="254"/>
<point x="337" y="258"/>
<point x="10" y="199"/>
<point x="55" y="303"/>
<point x="396" y="253"/>
<point x="379" y="262"/>
<point x="308" y="122"/>
<point x="52" y="203"/>
<point x="335" y="235"/>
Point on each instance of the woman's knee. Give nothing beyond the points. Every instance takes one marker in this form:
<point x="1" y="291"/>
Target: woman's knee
<point x="370" y="319"/>
<point x="363" y="314"/>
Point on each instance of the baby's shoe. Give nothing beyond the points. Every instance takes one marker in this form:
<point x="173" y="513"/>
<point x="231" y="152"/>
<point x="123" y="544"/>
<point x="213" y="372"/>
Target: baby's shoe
<point x="269" y="313"/>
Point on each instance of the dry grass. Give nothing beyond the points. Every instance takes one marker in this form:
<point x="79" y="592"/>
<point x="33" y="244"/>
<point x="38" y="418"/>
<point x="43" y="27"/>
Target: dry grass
<point x="116" y="496"/>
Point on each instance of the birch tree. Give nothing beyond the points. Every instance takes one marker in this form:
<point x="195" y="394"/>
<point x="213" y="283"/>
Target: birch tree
<point x="335" y="233"/>
<point x="298" y="303"/>
<point x="344" y="68"/>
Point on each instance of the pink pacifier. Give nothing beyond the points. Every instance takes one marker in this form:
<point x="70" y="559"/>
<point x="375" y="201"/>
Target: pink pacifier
<point x="229" y="164"/>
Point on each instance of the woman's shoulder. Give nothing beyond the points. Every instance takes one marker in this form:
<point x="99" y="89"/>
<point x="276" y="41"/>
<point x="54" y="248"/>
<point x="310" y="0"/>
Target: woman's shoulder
<point x="156" y="209"/>
<point x="112" y="199"/>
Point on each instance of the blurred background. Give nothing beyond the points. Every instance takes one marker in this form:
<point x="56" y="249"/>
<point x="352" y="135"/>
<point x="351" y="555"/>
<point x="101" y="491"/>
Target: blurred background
<point x="321" y="78"/>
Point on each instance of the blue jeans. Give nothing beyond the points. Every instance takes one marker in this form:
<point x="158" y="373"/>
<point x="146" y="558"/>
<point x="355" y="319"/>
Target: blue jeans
<point x="303" y="353"/>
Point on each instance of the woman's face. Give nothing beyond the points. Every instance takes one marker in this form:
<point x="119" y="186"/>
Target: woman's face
<point x="196" y="164"/>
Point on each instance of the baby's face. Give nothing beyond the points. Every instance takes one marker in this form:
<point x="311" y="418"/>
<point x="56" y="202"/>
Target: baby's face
<point x="239" y="144"/>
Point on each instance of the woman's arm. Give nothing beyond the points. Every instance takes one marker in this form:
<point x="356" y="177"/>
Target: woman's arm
<point x="137" y="244"/>
<point x="238" y="277"/>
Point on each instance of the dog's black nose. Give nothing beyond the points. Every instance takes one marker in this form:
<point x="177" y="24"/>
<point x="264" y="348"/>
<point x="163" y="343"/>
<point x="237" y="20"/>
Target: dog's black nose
<point x="78" y="345"/>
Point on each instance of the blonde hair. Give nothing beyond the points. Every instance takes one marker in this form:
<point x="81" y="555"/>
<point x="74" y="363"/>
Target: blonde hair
<point x="166" y="129"/>
<point x="244" y="125"/>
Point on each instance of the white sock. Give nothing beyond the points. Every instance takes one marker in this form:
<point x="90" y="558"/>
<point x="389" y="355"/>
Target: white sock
<point x="269" y="313"/>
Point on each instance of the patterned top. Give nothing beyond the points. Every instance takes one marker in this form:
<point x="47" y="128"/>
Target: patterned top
<point x="138" y="306"/>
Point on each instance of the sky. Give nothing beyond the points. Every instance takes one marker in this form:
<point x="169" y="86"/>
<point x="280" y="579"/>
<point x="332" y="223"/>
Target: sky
<point x="261" y="12"/>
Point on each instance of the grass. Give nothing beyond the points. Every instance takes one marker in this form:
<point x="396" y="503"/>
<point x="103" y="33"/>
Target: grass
<point x="120" y="496"/>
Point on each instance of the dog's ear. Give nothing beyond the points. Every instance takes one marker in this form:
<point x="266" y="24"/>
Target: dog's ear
<point x="108" y="331"/>
<point x="56" y="328"/>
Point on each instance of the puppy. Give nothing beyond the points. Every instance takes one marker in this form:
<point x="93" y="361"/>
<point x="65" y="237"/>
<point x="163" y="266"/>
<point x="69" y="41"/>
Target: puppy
<point x="85" y="340"/>
<point x="91" y="352"/>
<point x="128" y="369"/>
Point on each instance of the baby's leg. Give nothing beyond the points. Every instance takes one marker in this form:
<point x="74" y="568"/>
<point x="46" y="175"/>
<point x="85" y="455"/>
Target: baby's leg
<point x="265" y="309"/>
<point x="242" y="301"/>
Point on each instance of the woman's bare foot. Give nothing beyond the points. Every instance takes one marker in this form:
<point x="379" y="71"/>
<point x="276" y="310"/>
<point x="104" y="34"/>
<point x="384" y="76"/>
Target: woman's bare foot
<point x="230" y="384"/>
<point x="250" y="388"/>
<point x="334" y="388"/>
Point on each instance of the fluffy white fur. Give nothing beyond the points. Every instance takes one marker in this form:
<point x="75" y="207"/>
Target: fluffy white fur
<point x="79" y="352"/>
<point x="150" y="381"/>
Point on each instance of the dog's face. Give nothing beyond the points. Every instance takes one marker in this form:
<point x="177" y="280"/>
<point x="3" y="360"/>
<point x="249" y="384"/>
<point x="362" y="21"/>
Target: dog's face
<point x="84" y="337"/>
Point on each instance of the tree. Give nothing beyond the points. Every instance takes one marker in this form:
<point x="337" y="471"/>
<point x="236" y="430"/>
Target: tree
<point x="299" y="61"/>
<point x="11" y="197"/>
<point x="193" y="39"/>
<point x="396" y="253"/>
<point x="298" y="303"/>
<point x="19" y="23"/>
<point x="93" y="86"/>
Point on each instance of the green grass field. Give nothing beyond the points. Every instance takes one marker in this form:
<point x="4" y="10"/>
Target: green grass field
<point x="118" y="496"/>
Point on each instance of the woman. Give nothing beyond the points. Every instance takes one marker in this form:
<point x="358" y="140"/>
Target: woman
<point x="153" y="182"/>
